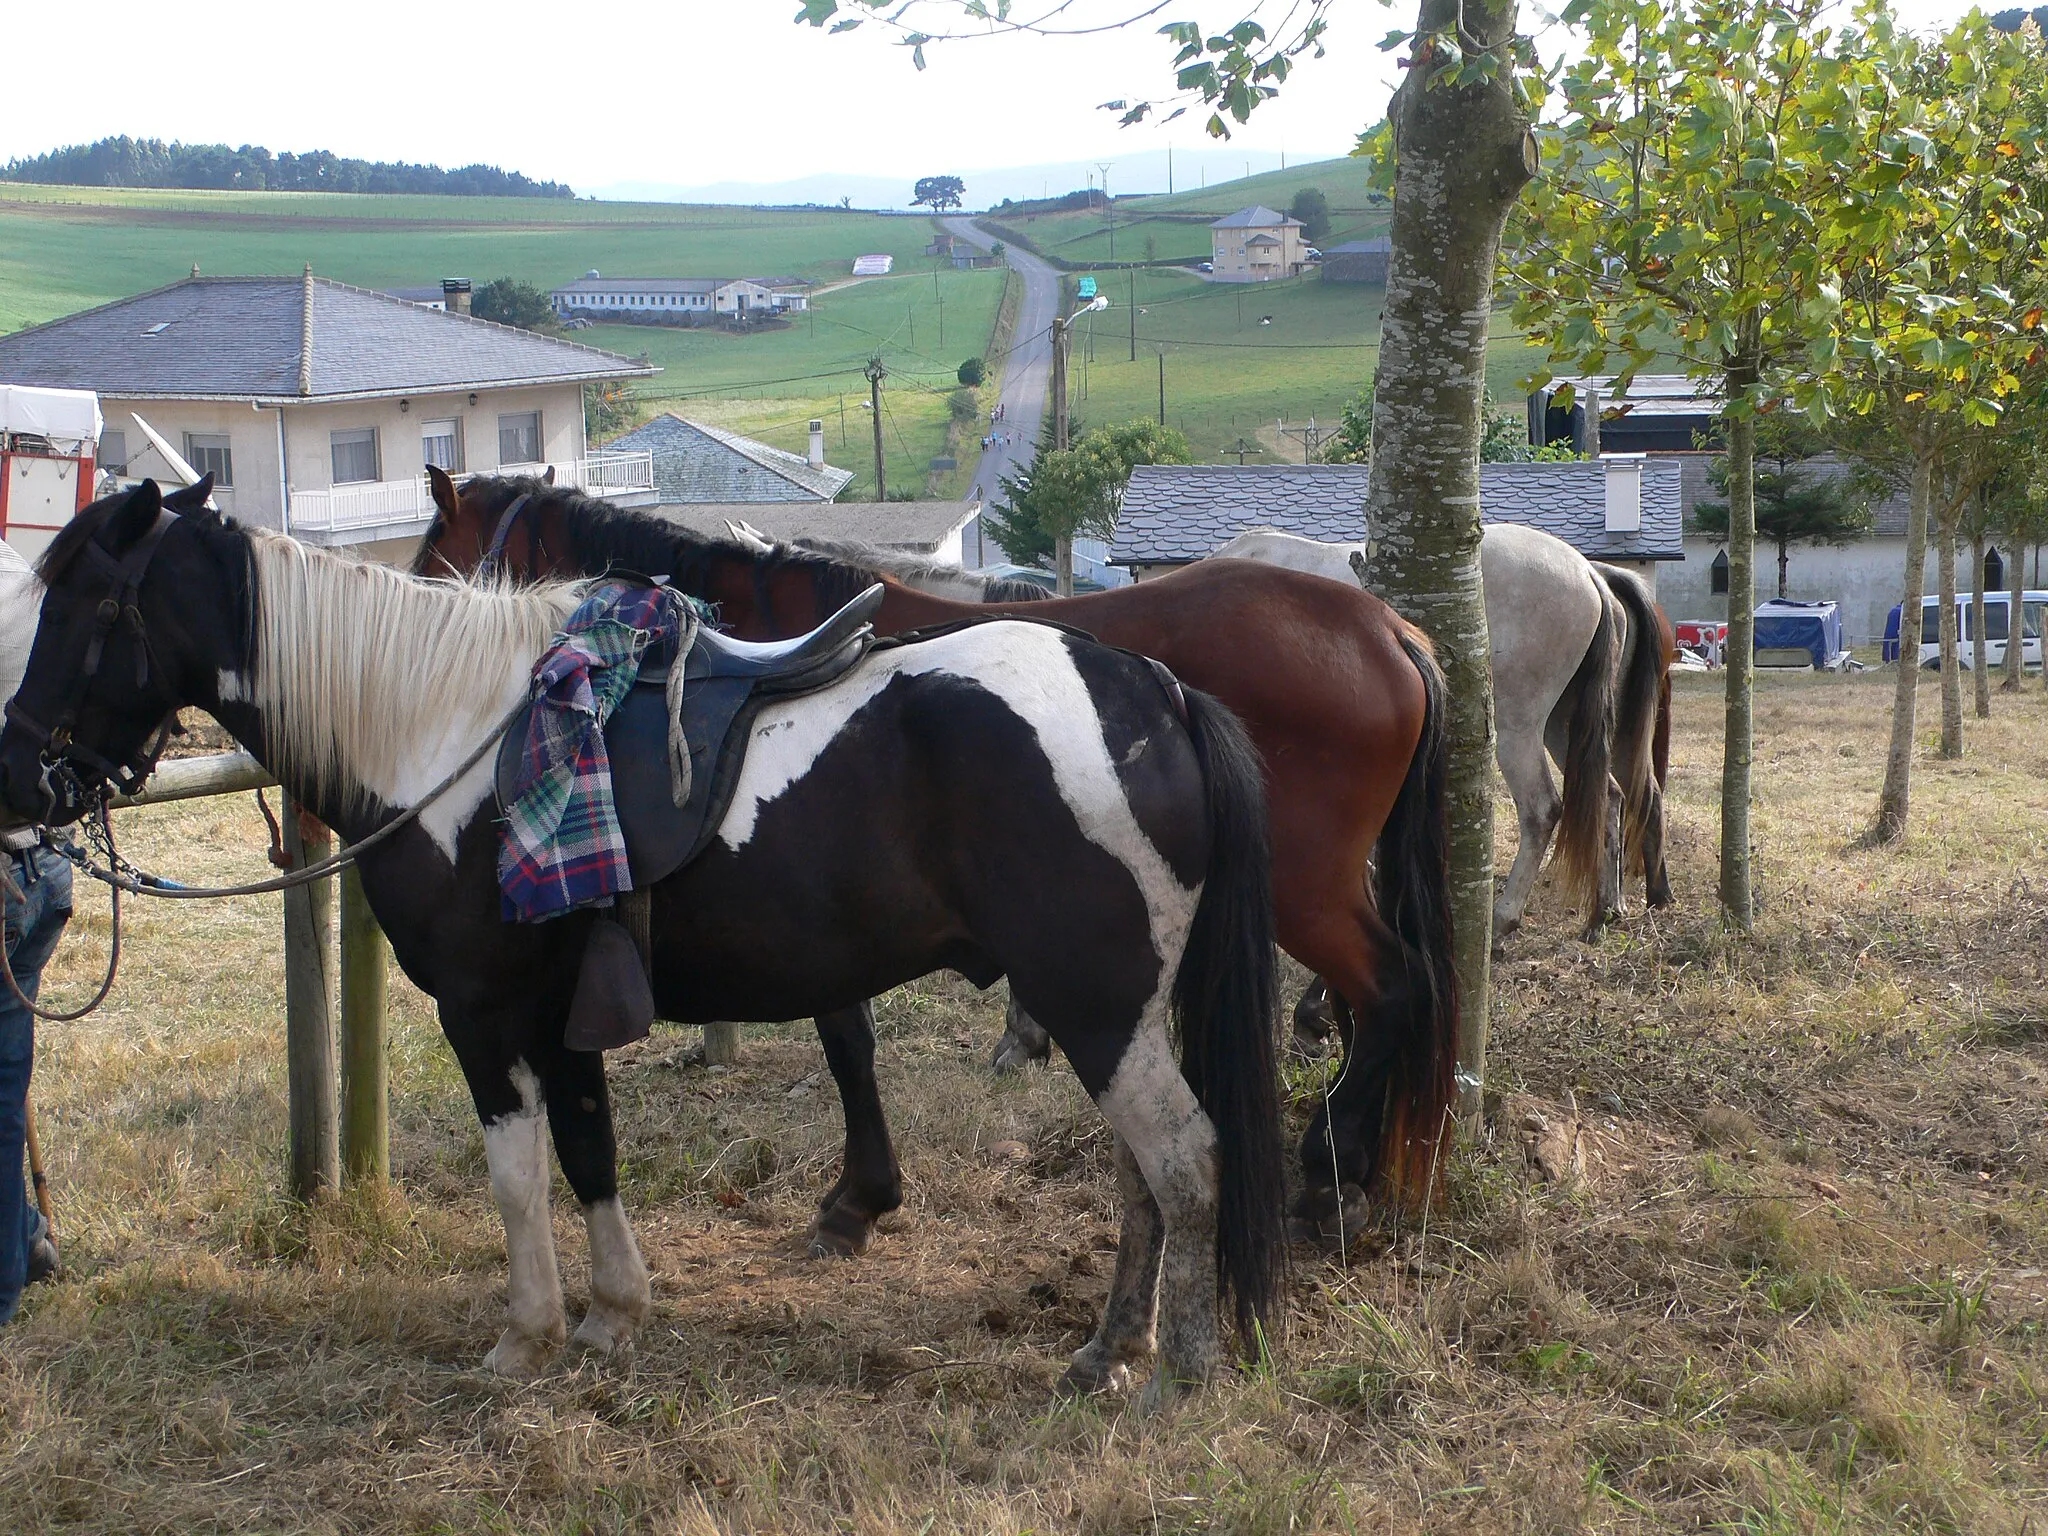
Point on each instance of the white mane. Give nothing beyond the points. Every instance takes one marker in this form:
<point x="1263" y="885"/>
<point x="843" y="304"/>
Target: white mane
<point x="940" y="578"/>
<point x="374" y="683"/>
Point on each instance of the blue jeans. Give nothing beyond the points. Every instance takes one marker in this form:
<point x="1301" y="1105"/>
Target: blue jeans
<point x="34" y="922"/>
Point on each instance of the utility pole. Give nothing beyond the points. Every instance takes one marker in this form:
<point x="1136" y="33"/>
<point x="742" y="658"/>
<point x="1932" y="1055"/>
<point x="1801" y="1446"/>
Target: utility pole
<point x="1169" y="170"/>
<point x="1162" y="386"/>
<point x="1241" y="448"/>
<point x="1063" y="543"/>
<point x="1108" y="213"/>
<point x="1134" y="314"/>
<point x="875" y="372"/>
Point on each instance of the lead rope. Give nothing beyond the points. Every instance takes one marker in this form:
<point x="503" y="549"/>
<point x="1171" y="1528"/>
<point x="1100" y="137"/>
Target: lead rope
<point x="50" y="1015"/>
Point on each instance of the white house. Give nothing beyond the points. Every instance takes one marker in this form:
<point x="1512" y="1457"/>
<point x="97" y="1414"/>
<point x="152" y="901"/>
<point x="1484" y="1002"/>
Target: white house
<point x="317" y="406"/>
<point x="595" y="297"/>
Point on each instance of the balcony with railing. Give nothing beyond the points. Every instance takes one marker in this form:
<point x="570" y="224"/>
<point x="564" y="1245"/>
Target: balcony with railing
<point x="370" y="510"/>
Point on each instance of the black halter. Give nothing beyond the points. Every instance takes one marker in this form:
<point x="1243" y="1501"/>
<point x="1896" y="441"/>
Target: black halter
<point x="122" y="601"/>
<point x="502" y="532"/>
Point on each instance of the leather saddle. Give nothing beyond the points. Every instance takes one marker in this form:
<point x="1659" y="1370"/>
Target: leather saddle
<point x="725" y="683"/>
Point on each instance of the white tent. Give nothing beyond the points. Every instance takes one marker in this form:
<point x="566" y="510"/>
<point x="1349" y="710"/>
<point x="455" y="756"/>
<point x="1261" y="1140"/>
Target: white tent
<point x="64" y="416"/>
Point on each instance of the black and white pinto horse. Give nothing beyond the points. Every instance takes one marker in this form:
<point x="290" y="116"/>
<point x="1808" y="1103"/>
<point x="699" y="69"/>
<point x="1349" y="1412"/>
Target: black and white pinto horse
<point x="1007" y="798"/>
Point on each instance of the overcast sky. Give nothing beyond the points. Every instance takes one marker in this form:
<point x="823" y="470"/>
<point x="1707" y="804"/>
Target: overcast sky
<point x="685" y="92"/>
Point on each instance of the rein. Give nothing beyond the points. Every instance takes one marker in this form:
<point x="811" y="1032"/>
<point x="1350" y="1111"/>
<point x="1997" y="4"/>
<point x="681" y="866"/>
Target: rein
<point x="503" y="532"/>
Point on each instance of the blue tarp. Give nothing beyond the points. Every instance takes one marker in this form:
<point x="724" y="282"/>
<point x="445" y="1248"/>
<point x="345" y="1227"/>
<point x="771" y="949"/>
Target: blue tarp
<point x="1816" y="628"/>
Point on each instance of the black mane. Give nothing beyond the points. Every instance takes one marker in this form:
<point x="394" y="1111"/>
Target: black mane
<point x="603" y="536"/>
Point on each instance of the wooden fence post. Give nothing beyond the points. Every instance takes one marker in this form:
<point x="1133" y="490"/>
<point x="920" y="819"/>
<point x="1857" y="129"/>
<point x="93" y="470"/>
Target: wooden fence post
<point x="310" y="1075"/>
<point x="365" y="1087"/>
<point x="721" y="1045"/>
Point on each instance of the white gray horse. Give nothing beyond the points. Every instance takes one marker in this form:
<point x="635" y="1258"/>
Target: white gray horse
<point x="1574" y="651"/>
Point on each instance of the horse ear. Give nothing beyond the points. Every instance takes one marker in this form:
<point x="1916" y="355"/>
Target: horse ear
<point x="441" y="485"/>
<point x="549" y="477"/>
<point x="135" y="516"/>
<point x="193" y="497"/>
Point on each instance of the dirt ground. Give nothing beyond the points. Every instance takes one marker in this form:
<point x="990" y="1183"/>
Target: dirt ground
<point x="1755" y="1239"/>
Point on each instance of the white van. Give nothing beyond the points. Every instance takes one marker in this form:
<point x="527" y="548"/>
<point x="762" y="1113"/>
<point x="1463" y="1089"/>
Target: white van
<point x="1997" y="627"/>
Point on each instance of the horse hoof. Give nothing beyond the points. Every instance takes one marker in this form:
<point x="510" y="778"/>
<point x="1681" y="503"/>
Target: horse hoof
<point x="602" y="1336"/>
<point x="1013" y="1055"/>
<point x="1167" y="1387"/>
<point x="520" y="1356"/>
<point x="839" y="1234"/>
<point x="1090" y="1374"/>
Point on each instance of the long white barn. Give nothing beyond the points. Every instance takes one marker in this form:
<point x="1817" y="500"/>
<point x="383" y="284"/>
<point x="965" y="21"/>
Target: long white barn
<point x="596" y="297"/>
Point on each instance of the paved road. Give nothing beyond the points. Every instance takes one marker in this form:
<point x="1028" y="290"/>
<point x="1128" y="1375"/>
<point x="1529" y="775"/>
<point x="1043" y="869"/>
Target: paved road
<point x="1027" y="378"/>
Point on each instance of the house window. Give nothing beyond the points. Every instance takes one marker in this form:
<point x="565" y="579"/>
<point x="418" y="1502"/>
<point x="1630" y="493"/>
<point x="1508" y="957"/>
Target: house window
<point x="519" y="438"/>
<point x="1717" y="575"/>
<point x="441" y="445"/>
<point x="113" y="450"/>
<point x="208" y="452"/>
<point x="354" y="455"/>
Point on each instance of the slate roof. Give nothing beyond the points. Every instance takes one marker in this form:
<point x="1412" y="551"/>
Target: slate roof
<point x="1258" y="216"/>
<point x="1378" y="245"/>
<point x="1175" y="513"/>
<point x="695" y="463"/>
<point x="282" y="340"/>
<point x="918" y="527"/>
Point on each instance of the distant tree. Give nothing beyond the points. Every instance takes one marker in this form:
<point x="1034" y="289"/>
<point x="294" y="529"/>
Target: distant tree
<point x="511" y="302"/>
<point x="1313" y="209"/>
<point x="999" y="250"/>
<point x="1794" y="504"/>
<point x="608" y="410"/>
<point x="1077" y="491"/>
<point x="939" y="193"/>
<point x="126" y="162"/>
<point x="973" y="373"/>
<point x="1351" y="443"/>
<point x="1504" y="436"/>
<point x="962" y="406"/>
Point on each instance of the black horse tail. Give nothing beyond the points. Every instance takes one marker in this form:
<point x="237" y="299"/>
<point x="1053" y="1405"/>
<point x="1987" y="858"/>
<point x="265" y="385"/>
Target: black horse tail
<point x="1582" y="849"/>
<point x="1412" y="890"/>
<point x="1641" y="708"/>
<point x="1225" y="1003"/>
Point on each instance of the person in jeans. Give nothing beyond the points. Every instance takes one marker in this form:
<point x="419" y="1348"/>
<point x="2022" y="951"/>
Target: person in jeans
<point x="37" y="895"/>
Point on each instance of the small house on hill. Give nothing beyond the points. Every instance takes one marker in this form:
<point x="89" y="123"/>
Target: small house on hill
<point x="1358" y="261"/>
<point x="696" y="463"/>
<point x="1256" y="245"/>
<point x="1623" y="510"/>
<point x="931" y="529"/>
<point x="317" y="406"/>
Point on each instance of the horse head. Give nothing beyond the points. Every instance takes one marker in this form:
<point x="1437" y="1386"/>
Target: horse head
<point x="139" y="618"/>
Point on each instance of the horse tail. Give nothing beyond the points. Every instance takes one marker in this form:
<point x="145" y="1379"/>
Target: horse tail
<point x="1642" y="709"/>
<point x="1225" y="1002"/>
<point x="1588" y="763"/>
<point x="1412" y="889"/>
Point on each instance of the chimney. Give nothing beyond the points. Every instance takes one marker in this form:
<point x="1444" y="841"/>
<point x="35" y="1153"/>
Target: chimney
<point x="455" y="295"/>
<point x="195" y="269"/>
<point x="817" y="453"/>
<point x="1624" y="492"/>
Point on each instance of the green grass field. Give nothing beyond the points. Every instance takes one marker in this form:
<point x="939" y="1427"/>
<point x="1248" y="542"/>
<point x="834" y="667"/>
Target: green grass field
<point x="1343" y="181"/>
<point x="1229" y="376"/>
<point x="63" y="249"/>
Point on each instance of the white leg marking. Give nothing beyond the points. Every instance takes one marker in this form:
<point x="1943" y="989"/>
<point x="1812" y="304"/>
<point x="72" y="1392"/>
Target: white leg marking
<point x="516" y="1146"/>
<point x="1152" y="1108"/>
<point x="619" y="1294"/>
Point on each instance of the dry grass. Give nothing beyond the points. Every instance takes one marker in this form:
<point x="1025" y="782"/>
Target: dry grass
<point x="1799" y="1286"/>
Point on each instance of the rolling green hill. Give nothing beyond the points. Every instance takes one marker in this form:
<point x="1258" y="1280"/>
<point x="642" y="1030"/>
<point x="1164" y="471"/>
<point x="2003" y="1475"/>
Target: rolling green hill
<point x="1342" y="181"/>
<point x="63" y="249"/>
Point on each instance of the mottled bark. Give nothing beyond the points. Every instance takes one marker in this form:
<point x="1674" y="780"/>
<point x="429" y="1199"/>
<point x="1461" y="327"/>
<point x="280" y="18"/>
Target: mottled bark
<point x="1895" y="799"/>
<point x="1738" y="736"/>
<point x="1980" y="670"/>
<point x="1461" y="164"/>
<point x="1951" y="657"/>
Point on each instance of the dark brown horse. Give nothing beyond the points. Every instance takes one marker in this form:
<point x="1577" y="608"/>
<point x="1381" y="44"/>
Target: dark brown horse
<point x="1341" y="696"/>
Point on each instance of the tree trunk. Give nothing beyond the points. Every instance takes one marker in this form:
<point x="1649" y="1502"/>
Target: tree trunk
<point x="1895" y="799"/>
<point x="2016" y="621"/>
<point x="1737" y="736"/>
<point x="1951" y="657"/>
<point x="1462" y="162"/>
<point x="1980" y="670"/>
<point x="1784" y="545"/>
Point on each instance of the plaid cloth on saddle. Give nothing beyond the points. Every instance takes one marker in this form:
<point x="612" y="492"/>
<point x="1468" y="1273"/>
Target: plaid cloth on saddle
<point x="561" y="846"/>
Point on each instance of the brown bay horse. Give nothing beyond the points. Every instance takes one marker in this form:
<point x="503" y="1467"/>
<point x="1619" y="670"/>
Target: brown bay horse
<point x="1341" y="697"/>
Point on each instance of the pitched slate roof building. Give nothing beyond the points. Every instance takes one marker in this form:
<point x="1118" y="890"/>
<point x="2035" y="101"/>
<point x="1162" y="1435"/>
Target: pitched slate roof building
<point x="1623" y="510"/>
<point x="695" y="463"/>
<point x="1256" y="245"/>
<point x="928" y="528"/>
<point x="317" y="406"/>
